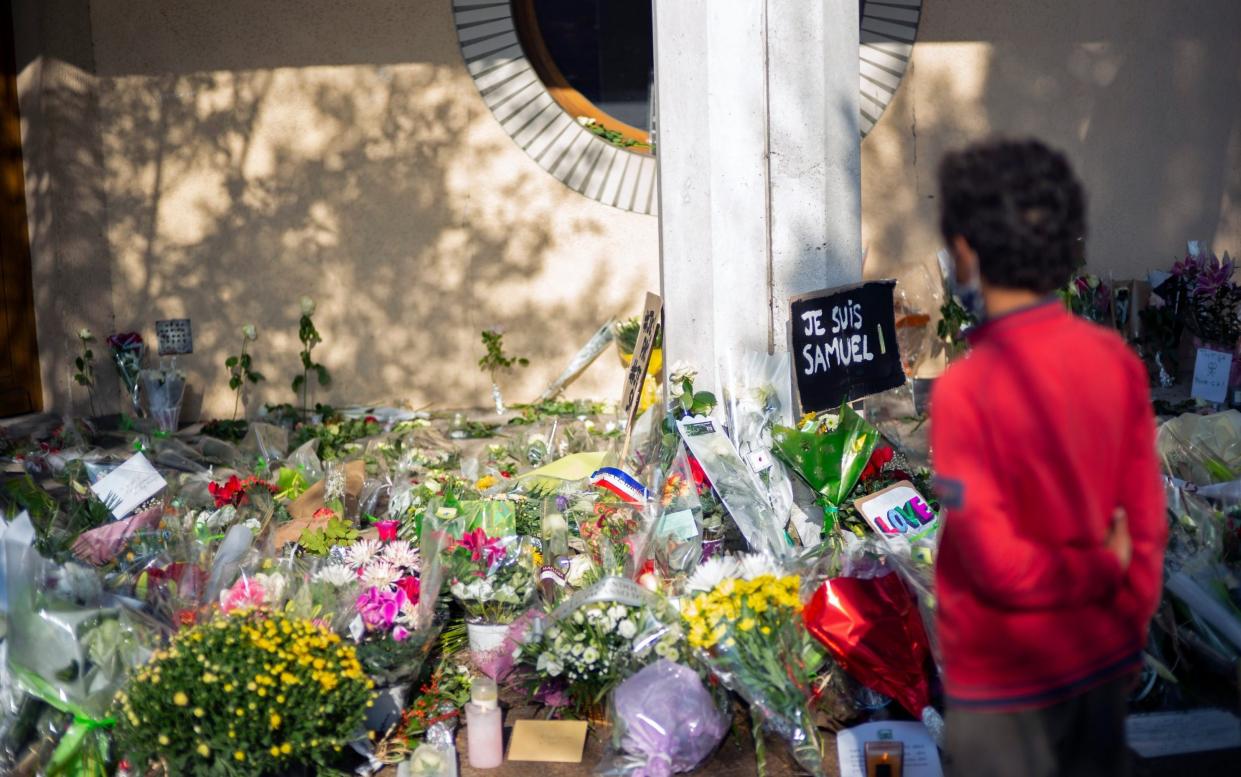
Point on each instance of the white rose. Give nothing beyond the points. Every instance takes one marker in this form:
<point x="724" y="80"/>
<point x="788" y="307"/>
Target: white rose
<point x="85" y="334"/>
<point x="249" y="332"/>
<point x="308" y="306"/>
<point x="579" y="568"/>
<point x="627" y="629"/>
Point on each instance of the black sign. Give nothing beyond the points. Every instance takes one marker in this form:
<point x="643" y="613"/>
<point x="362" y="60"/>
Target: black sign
<point x="843" y="344"/>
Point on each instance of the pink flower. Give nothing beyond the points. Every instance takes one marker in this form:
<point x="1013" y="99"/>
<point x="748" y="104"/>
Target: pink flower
<point x="244" y="593"/>
<point x="387" y="530"/>
<point x="481" y="547"/>
<point x="400" y="633"/>
<point x="380" y="608"/>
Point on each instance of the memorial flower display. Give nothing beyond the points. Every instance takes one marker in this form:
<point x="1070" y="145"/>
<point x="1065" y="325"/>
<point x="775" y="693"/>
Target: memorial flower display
<point x="250" y="693"/>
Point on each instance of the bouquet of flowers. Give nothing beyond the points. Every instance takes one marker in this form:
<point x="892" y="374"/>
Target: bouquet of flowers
<point x="165" y="388"/>
<point x="128" y="351"/>
<point x="492" y="578"/>
<point x="250" y="693"/>
<point x="609" y="536"/>
<point x="1089" y="297"/>
<point x="664" y="720"/>
<point x="750" y="634"/>
<point x="592" y="649"/>
<point x="1205" y="292"/>
<point x="830" y="453"/>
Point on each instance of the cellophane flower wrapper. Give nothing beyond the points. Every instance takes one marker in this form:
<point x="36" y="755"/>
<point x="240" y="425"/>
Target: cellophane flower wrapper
<point x="1203" y="450"/>
<point x="774" y="673"/>
<point x="69" y="646"/>
<point x="599" y="637"/>
<point x="128" y="351"/>
<point x="757" y="397"/>
<point x="873" y="629"/>
<point x="664" y="721"/>
<point x="1195" y="573"/>
<point x="492" y="578"/>
<point x="676" y="535"/>
<point x="829" y="458"/>
<point x="164" y="389"/>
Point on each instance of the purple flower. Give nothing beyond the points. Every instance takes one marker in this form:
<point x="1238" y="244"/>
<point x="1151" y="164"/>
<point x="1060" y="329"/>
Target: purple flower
<point x="380" y="608"/>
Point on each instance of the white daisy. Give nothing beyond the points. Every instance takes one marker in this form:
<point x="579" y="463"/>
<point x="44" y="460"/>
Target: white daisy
<point x="627" y="629"/>
<point x="380" y="574"/>
<point x="336" y="574"/>
<point x="713" y="572"/>
<point x="399" y="553"/>
<point x="361" y="552"/>
<point x="755" y="565"/>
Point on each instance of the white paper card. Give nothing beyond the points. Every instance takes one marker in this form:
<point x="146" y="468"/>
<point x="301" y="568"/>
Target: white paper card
<point x="921" y="757"/>
<point x="898" y="513"/>
<point x="1172" y="733"/>
<point x="1211" y="370"/>
<point x="129" y="485"/>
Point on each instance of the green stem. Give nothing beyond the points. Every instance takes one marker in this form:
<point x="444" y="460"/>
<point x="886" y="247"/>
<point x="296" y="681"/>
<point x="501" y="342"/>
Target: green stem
<point x="241" y="386"/>
<point x="760" y="745"/>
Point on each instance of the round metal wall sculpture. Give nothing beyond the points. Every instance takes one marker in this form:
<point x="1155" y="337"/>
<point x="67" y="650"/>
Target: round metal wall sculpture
<point x="516" y="93"/>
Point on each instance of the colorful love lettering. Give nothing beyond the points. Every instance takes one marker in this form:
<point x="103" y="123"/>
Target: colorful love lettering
<point x="897" y="520"/>
<point x="883" y="526"/>
<point x="924" y="513"/>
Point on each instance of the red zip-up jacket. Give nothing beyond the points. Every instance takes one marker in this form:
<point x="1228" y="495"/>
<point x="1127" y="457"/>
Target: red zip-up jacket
<point x="1037" y="436"/>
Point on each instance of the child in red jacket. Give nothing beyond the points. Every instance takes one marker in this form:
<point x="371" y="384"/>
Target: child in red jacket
<point x="1042" y="437"/>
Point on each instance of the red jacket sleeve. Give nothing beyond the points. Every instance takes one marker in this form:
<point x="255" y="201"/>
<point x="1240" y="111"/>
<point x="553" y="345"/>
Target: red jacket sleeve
<point x="1143" y="502"/>
<point x="981" y="539"/>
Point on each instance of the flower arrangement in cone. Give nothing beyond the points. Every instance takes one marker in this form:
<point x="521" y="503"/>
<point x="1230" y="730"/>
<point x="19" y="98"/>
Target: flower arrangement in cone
<point x="250" y="693"/>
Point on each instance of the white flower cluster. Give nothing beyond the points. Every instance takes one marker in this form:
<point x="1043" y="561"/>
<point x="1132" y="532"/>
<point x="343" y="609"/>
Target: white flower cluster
<point x="482" y="591"/>
<point x="376" y="565"/>
<point x="599" y="640"/>
<point x="718" y="569"/>
<point x="681" y="372"/>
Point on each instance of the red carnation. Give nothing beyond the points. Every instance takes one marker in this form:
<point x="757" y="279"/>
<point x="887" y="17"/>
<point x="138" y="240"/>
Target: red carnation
<point x="878" y="459"/>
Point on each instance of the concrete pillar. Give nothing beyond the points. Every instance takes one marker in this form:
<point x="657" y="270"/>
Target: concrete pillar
<point x="759" y="167"/>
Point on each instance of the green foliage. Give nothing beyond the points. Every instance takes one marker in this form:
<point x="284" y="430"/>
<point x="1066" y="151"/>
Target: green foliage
<point x="319" y="542"/>
<point x="240" y="372"/>
<point x="954" y="320"/>
<point x="310" y="337"/>
<point x="495" y="360"/>
<point x="612" y="136"/>
<point x="335" y="436"/>
<point x="232" y="431"/>
<point x="626" y="334"/>
<point x="556" y="408"/>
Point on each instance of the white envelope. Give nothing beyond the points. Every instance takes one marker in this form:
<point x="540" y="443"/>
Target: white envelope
<point x="129" y="485"/>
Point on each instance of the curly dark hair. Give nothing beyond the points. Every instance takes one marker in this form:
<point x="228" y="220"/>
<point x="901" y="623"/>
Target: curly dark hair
<point x="1020" y="207"/>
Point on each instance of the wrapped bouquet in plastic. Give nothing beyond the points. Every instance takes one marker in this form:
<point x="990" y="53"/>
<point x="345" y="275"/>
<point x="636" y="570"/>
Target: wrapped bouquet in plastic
<point x="664" y="721"/>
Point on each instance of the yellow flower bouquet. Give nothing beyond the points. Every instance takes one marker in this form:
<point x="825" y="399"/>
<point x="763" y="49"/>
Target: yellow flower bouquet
<point x="245" y="694"/>
<point x="750" y="634"/>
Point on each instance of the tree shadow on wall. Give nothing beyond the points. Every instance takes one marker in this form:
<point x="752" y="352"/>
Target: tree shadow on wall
<point x="232" y="193"/>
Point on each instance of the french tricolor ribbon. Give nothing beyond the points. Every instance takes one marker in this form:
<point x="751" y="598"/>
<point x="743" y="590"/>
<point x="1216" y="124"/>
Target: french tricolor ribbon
<point x="620" y="483"/>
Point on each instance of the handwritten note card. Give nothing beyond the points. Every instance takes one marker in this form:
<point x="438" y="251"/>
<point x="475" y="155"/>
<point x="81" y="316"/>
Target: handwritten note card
<point x="1211" y="370"/>
<point x="129" y="485"/>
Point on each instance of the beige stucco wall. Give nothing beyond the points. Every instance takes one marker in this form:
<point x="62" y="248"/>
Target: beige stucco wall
<point x="251" y="151"/>
<point x="1141" y="94"/>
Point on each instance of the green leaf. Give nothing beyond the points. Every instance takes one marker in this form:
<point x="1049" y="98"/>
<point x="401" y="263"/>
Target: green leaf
<point x="298" y="381"/>
<point x="230" y="362"/>
<point x="255" y="377"/>
<point x="687" y="401"/>
<point x="704" y="398"/>
<point x="234" y="383"/>
<point x="324" y="378"/>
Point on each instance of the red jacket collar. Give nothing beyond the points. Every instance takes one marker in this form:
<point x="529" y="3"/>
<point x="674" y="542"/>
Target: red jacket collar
<point x="1039" y="311"/>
